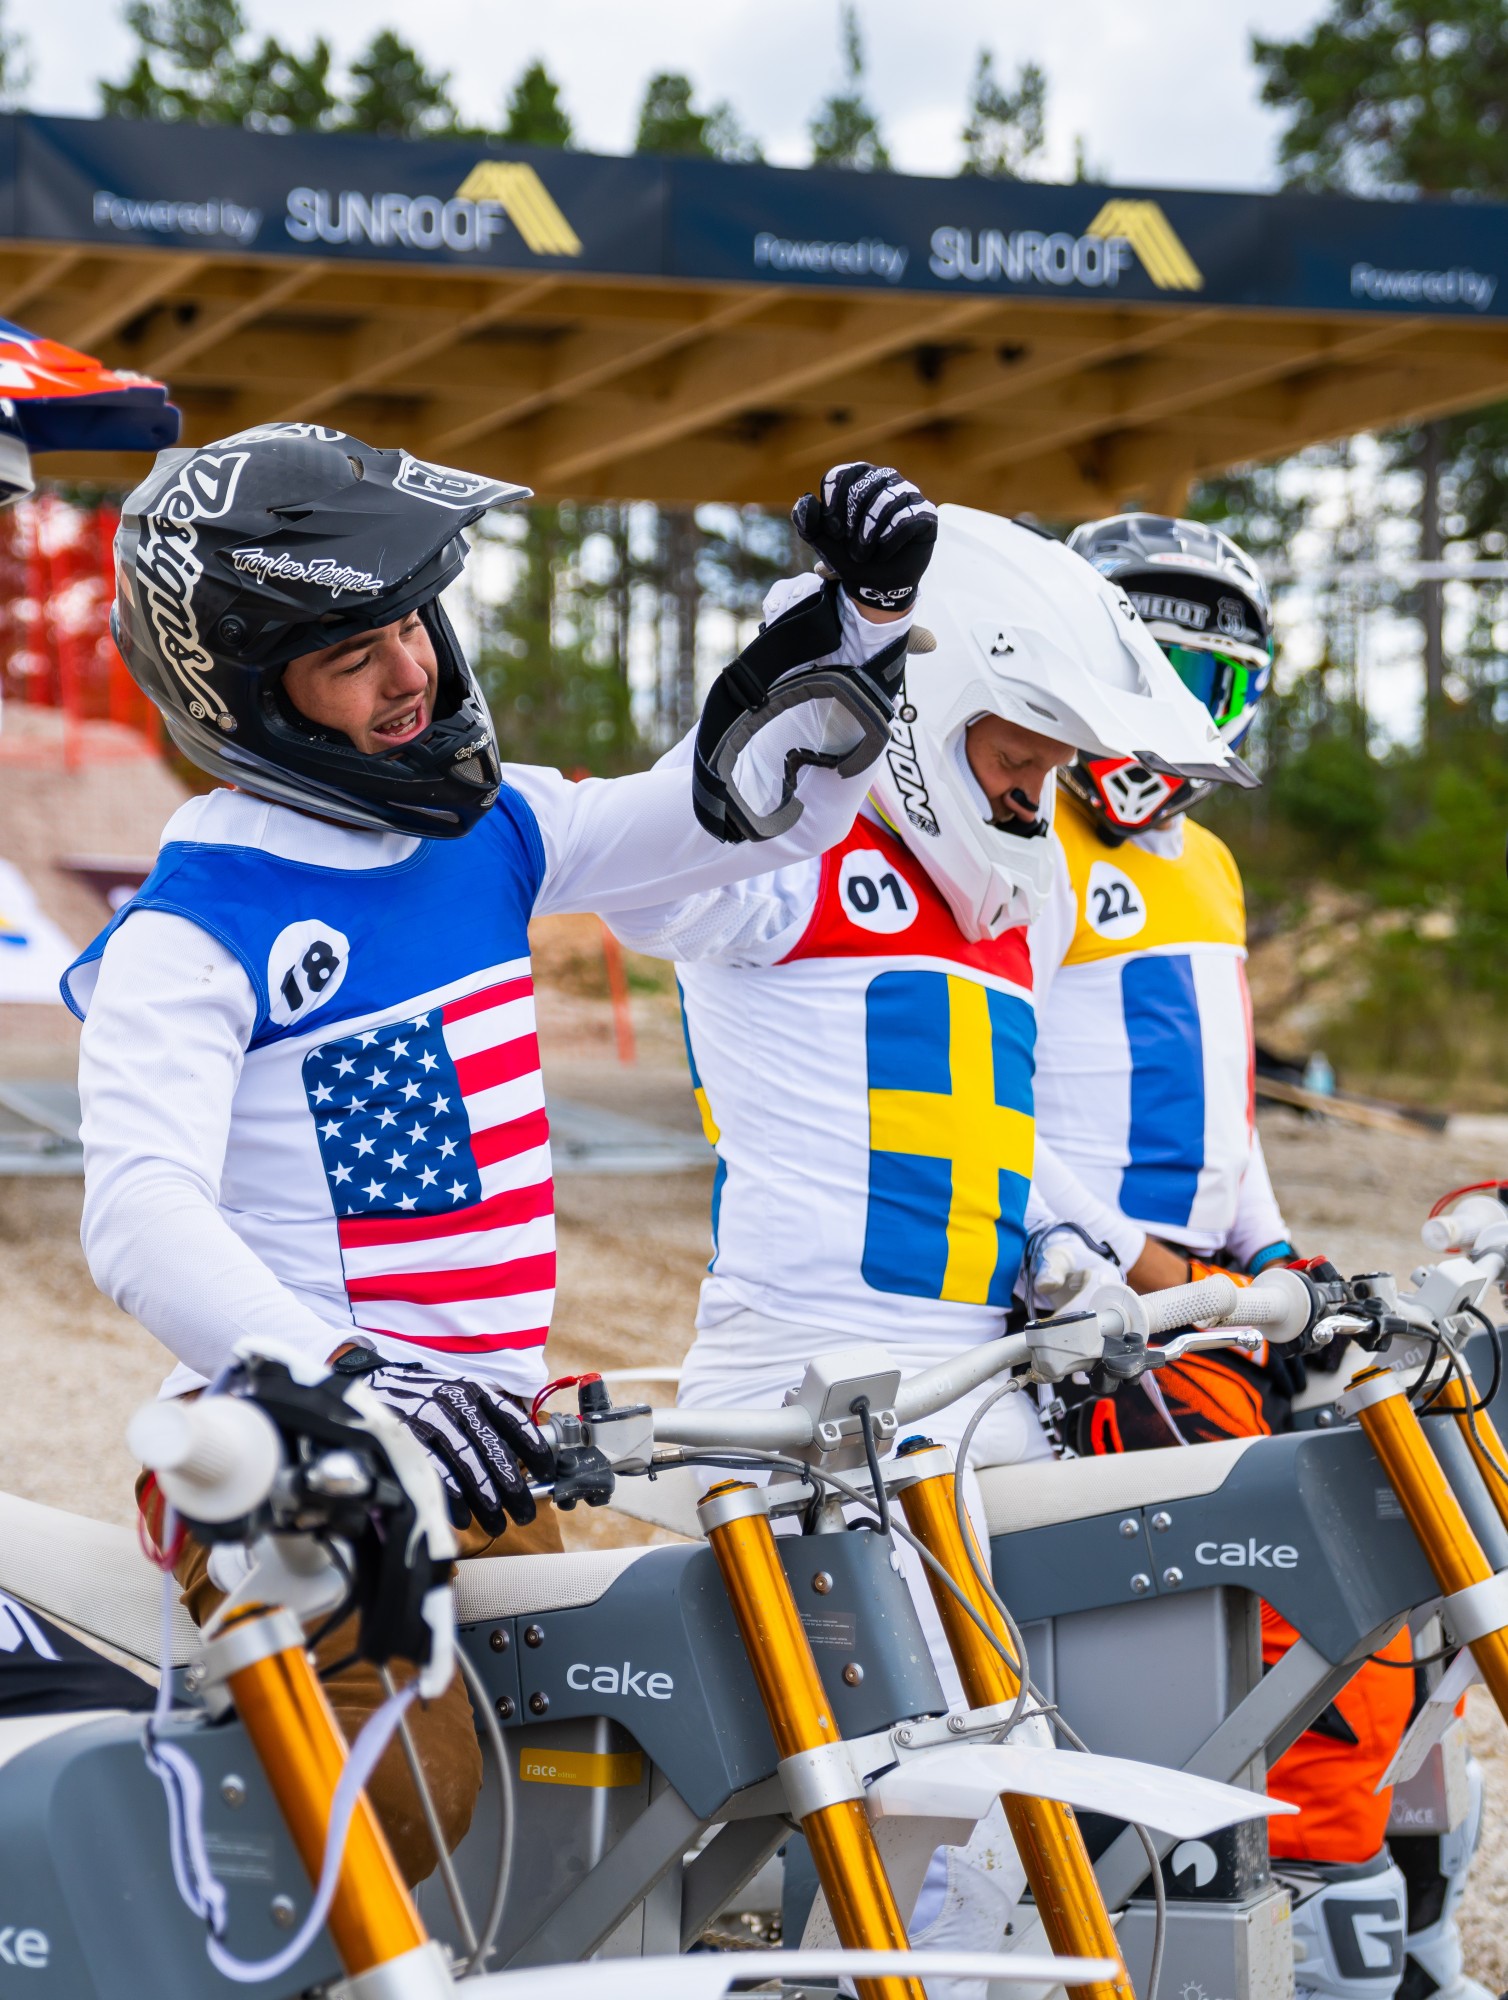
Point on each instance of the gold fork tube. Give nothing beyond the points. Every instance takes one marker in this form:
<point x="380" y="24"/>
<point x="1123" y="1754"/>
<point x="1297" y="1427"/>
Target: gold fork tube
<point x="1485" y="1443"/>
<point x="1434" y="1513"/>
<point x="294" y="1733"/>
<point x="1046" y="1832"/>
<point x="849" y="1867"/>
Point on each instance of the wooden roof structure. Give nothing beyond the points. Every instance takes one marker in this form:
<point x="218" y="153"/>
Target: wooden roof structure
<point x="682" y="331"/>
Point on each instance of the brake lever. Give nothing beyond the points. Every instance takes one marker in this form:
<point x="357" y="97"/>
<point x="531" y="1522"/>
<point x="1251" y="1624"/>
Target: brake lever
<point x="1247" y="1339"/>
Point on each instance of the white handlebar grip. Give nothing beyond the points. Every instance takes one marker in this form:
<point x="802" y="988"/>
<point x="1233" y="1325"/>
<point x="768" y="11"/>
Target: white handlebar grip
<point x="1185" y="1305"/>
<point x="1460" y="1228"/>
<point x="1280" y="1302"/>
<point x="215" y="1459"/>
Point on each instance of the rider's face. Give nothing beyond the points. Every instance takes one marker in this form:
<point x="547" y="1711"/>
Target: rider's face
<point x="1011" y="764"/>
<point x="378" y="689"/>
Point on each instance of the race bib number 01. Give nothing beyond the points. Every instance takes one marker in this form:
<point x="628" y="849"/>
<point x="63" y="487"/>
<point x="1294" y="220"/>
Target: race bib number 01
<point x="1113" y="907"/>
<point x="305" y="967"/>
<point x="874" y="894"/>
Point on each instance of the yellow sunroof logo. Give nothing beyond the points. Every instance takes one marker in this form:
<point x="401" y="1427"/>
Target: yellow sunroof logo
<point x="527" y="203"/>
<point x="1143" y="225"/>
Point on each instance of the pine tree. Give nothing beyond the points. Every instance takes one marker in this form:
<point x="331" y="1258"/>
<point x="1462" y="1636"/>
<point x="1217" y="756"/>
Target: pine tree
<point x="1381" y="98"/>
<point x="535" y="115"/>
<point x="845" y="132"/>
<point x="1005" y="131"/>
<point x="552" y="684"/>
<point x="669" y="124"/>
<point x="1385" y="97"/>
<point x="394" y="95"/>
<point x="15" y="66"/>
<point x="191" y="66"/>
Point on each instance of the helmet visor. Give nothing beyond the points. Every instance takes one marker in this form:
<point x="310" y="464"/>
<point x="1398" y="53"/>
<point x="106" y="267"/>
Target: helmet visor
<point x="1227" y="687"/>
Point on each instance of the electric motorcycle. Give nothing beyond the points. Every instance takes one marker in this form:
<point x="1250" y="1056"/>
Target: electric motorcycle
<point x="660" y="1719"/>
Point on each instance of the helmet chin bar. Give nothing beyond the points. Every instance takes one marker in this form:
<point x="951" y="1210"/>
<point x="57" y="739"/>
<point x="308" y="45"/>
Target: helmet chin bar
<point x="1134" y="796"/>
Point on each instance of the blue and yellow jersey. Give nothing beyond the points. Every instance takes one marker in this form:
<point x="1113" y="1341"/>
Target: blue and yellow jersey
<point x="870" y="1100"/>
<point x="1144" y="1081"/>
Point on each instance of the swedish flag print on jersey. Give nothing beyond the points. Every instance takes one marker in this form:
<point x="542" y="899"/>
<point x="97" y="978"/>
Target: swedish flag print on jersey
<point x="950" y="1135"/>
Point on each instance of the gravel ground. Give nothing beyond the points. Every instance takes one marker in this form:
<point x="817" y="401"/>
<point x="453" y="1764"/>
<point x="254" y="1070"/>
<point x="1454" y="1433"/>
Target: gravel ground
<point x="631" y="1256"/>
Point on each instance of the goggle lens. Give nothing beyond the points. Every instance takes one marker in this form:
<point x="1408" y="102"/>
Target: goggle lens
<point x="1226" y="687"/>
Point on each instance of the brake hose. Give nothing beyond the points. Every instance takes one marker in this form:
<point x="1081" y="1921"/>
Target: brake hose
<point x="860" y="1408"/>
<point x="201" y="1889"/>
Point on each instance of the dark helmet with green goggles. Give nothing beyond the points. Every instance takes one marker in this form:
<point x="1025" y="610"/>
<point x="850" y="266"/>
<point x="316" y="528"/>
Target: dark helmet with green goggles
<point x="1206" y="605"/>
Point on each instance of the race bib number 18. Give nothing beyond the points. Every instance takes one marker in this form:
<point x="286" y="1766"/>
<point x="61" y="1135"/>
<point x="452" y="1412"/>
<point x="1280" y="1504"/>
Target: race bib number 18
<point x="305" y="967"/>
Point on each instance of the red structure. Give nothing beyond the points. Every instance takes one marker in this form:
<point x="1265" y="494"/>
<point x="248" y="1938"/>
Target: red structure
<point x="57" y="580"/>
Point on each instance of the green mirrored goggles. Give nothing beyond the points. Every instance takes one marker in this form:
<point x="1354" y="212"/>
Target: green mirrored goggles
<point x="1227" y="687"/>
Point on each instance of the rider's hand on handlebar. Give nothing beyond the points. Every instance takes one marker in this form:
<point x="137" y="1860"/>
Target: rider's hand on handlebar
<point x="485" y="1451"/>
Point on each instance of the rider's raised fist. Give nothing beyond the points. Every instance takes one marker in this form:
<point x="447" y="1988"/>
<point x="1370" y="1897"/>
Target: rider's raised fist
<point x="873" y="529"/>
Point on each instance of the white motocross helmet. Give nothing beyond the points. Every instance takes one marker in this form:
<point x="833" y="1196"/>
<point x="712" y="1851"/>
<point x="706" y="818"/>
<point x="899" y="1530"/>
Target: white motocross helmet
<point x="1024" y="629"/>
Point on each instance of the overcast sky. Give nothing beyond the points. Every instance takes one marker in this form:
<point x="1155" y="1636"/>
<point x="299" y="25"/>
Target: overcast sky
<point x="1162" y="91"/>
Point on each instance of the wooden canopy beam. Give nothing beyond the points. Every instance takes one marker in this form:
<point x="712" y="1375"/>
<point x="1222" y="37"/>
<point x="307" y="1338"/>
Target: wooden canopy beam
<point x="119" y="296"/>
<point x="713" y="385"/>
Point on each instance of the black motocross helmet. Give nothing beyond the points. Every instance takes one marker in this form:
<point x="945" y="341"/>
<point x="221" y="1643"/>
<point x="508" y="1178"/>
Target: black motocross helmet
<point x="234" y="558"/>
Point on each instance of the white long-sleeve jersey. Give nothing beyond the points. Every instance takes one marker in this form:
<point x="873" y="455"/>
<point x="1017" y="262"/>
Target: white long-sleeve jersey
<point x="312" y="1098"/>
<point x="864" y="1073"/>
<point x="1144" y="1094"/>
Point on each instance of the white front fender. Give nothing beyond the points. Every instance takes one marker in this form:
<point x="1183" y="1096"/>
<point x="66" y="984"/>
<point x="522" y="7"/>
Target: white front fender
<point x="961" y="1781"/>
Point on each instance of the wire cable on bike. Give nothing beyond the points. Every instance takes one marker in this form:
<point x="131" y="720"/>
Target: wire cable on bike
<point x="448" y="1877"/>
<point x="860" y="1408"/>
<point x="1021" y="1666"/>
<point x="1458" y="1368"/>
<point x="1494" y="1334"/>
<point x="491" y="1924"/>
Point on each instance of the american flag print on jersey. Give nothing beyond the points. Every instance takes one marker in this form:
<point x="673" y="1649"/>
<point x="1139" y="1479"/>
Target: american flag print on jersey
<point x="435" y="1145"/>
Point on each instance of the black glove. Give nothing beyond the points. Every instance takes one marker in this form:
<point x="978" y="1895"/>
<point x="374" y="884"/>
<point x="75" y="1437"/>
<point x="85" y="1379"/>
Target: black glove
<point x="485" y="1451"/>
<point x="874" y="531"/>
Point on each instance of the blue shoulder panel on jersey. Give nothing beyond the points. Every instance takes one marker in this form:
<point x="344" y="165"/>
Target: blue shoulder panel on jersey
<point x="452" y="908"/>
<point x="1166" y="1137"/>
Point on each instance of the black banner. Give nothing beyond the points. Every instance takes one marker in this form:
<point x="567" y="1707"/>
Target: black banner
<point x="455" y="202"/>
<point x="472" y="204"/>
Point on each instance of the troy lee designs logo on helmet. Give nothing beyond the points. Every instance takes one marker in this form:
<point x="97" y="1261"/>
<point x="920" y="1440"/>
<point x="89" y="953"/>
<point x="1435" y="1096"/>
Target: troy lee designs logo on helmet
<point x="323" y="572"/>
<point x="441" y="483"/>
<point x="168" y="570"/>
<point x="907" y="772"/>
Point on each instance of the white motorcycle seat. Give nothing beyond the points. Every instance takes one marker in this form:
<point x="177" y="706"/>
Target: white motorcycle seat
<point x="93" y="1578"/>
<point x="1036" y="1495"/>
<point x="90" y="1576"/>
<point x="1033" y="1495"/>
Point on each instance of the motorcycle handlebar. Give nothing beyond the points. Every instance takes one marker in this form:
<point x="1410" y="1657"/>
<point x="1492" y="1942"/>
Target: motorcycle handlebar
<point x="1183" y="1305"/>
<point x="792" y="1428"/>
<point x="752" y="1430"/>
<point x="1215" y="1297"/>
<point x="215" y="1458"/>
